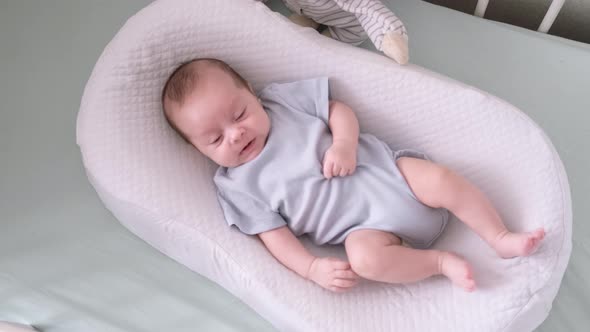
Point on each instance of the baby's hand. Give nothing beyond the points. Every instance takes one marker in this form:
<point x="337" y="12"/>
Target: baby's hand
<point x="339" y="159"/>
<point x="332" y="274"/>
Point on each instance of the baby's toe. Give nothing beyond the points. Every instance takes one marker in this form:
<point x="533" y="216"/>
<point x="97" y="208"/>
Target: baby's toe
<point x="540" y="234"/>
<point x="468" y="284"/>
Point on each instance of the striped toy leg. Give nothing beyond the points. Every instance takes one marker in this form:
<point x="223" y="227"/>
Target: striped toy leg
<point x="353" y="34"/>
<point x="386" y="31"/>
<point x="342" y="25"/>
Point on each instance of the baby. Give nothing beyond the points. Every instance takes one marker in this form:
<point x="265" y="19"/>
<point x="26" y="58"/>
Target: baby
<point x="292" y="162"/>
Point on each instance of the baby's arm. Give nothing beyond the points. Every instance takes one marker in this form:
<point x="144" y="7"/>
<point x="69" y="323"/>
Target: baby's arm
<point x="343" y="123"/>
<point x="340" y="158"/>
<point x="330" y="273"/>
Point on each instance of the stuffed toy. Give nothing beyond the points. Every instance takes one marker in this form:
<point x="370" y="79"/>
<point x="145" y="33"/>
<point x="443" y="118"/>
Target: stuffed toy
<point x="352" y="21"/>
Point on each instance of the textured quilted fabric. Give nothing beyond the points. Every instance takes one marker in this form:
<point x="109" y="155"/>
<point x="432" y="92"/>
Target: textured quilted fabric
<point x="162" y="190"/>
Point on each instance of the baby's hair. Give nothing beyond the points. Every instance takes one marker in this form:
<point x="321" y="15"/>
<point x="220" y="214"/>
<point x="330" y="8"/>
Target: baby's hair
<point x="184" y="79"/>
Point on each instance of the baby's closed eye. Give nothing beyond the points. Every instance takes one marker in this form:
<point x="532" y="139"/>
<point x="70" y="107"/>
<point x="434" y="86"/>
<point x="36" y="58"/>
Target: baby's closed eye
<point x="214" y="140"/>
<point x="241" y="114"/>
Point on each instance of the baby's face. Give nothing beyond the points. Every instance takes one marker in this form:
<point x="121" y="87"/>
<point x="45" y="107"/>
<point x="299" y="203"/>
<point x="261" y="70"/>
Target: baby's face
<point x="225" y="122"/>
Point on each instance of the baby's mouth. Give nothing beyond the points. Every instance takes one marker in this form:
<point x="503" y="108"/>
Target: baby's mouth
<point x="247" y="146"/>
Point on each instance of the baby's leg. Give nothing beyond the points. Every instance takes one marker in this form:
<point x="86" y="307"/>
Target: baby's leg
<point x="436" y="186"/>
<point x="378" y="255"/>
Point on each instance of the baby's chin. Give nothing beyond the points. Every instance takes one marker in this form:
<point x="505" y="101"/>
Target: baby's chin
<point x="234" y="163"/>
<point x="248" y="159"/>
<point x="224" y="162"/>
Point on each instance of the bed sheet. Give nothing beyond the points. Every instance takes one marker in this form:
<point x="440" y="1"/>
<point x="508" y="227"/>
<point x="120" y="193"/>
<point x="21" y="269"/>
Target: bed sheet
<point x="67" y="265"/>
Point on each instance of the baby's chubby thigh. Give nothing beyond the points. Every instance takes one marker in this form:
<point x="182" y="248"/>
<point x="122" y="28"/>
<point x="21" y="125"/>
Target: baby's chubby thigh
<point x="416" y="223"/>
<point x="394" y="207"/>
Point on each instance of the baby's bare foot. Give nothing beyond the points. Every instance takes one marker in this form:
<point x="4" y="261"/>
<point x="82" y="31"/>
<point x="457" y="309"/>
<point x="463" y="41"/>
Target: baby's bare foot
<point x="458" y="270"/>
<point x="509" y="245"/>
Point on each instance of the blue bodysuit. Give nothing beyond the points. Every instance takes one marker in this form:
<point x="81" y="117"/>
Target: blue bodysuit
<point x="285" y="185"/>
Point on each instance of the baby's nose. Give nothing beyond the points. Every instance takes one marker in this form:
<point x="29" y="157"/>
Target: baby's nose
<point x="237" y="134"/>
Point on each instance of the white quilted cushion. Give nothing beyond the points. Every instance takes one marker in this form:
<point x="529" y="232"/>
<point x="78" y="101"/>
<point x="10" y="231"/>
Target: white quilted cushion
<point x="162" y="190"/>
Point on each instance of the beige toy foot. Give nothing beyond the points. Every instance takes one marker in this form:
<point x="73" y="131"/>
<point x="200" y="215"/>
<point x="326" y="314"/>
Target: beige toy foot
<point x="395" y="46"/>
<point x="14" y="327"/>
<point x="304" y="21"/>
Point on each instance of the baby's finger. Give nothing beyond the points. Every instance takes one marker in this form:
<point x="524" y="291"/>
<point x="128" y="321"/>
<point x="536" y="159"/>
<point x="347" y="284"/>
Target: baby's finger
<point x="351" y="170"/>
<point x="344" y="283"/>
<point x="346" y="274"/>
<point x="328" y="164"/>
<point x="340" y="265"/>
<point x="336" y="169"/>
<point x="343" y="171"/>
<point x="337" y="289"/>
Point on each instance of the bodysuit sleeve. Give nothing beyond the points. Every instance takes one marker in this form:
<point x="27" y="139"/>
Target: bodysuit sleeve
<point x="311" y="96"/>
<point x="248" y="214"/>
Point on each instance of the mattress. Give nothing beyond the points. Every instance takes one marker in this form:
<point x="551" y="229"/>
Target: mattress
<point x="161" y="189"/>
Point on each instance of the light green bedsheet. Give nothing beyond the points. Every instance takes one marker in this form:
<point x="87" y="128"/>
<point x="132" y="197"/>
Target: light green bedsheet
<point x="66" y="264"/>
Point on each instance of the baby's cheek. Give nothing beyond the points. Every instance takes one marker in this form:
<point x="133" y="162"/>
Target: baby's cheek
<point x="225" y="158"/>
<point x="214" y="156"/>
